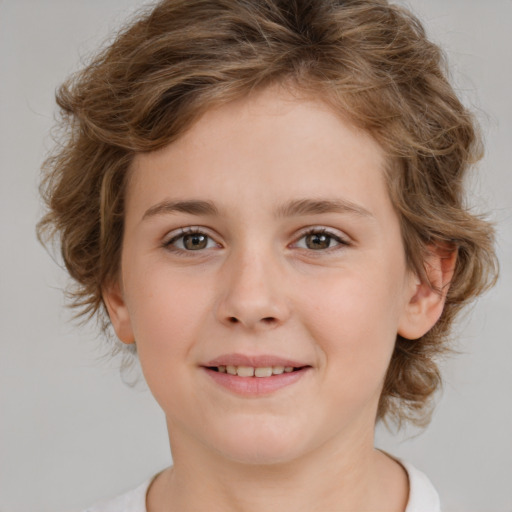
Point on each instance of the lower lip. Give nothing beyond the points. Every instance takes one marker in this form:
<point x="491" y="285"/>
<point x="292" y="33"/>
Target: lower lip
<point x="256" y="386"/>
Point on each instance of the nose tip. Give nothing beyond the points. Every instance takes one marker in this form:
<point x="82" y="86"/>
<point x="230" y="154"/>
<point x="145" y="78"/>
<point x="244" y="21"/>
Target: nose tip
<point x="252" y="315"/>
<point x="268" y="320"/>
<point x="251" y="295"/>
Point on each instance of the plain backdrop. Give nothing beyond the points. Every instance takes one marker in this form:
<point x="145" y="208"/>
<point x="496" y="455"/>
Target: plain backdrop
<point x="71" y="432"/>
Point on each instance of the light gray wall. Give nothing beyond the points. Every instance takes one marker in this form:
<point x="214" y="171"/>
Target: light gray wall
<point x="70" y="431"/>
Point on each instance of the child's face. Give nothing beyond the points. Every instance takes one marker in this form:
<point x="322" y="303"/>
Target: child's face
<point x="291" y="253"/>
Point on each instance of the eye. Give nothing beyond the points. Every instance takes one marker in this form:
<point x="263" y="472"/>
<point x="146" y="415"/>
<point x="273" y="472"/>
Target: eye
<point x="190" y="240"/>
<point x="318" y="239"/>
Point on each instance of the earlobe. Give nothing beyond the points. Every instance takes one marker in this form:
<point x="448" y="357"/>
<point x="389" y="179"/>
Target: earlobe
<point x="118" y="312"/>
<point x="427" y="297"/>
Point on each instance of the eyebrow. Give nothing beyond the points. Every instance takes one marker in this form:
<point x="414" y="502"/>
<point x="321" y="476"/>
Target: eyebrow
<point x="192" y="207"/>
<point x="295" y="207"/>
<point x="318" y="206"/>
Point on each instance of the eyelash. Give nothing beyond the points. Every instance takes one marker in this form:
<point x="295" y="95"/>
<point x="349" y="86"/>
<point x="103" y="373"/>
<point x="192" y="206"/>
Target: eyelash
<point x="319" y="231"/>
<point x="169" y="244"/>
<point x="344" y="242"/>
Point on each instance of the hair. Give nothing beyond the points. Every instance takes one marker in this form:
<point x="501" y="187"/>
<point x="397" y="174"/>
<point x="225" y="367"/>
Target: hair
<point x="367" y="59"/>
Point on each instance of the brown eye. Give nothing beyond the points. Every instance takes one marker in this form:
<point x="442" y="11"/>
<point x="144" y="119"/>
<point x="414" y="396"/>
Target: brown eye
<point x="195" y="241"/>
<point x="191" y="241"/>
<point x="317" y="241"/>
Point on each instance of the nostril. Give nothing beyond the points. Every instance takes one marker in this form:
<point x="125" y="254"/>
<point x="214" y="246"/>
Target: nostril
<point x="269" y="320"/>
<point x="233" y="320"/>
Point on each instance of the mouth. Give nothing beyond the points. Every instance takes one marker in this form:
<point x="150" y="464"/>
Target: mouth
<point x="255" y="372"/>
<point x="254" y="376"/>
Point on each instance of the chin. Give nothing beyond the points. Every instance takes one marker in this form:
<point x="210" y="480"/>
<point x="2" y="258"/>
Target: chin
<point x="259" y="455"/>
<point x="260" y="444"/>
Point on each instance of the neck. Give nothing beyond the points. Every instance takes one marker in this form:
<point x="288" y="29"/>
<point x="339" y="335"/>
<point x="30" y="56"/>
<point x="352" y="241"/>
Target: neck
<point x="339" y="476"/>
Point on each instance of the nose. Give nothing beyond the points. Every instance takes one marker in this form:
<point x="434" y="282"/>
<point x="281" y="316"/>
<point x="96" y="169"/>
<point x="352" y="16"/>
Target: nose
<point x="252" y="292"/>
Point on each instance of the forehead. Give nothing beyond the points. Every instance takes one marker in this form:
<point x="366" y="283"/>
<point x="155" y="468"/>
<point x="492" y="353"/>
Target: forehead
<point x="272" y="146"/>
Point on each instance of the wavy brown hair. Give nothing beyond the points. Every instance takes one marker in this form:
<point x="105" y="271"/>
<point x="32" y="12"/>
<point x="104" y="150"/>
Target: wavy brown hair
<point x="369" y="60"/>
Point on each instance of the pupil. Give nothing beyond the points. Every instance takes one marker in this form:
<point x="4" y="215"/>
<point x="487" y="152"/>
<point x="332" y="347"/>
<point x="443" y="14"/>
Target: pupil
<point x="194" y="242"/>
<point x="318" y="241"/>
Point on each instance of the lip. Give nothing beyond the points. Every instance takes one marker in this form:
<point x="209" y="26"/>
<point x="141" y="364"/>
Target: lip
<point x="255" y="361"/>
<point x="255" y="386"/>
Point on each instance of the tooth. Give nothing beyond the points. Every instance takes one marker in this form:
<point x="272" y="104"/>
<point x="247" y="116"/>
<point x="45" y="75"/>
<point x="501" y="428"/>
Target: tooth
<point x="277" y="370"/>
<point x="222" y="369"/>
<point x="245" y="371"/>
<point x="288" y="369"/>
<point x="263" y="372"/>
<point x="231" y="370"/>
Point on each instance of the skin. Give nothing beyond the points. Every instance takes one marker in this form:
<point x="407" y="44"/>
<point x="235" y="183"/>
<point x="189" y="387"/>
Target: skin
<point x="259" y="288"/>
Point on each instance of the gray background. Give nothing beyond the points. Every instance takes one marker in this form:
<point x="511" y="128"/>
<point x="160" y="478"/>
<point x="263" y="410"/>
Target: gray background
<point x="71" y="432"/>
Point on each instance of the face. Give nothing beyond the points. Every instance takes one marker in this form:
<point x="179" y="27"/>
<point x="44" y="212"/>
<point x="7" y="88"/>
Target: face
<point x="263" y="238"/>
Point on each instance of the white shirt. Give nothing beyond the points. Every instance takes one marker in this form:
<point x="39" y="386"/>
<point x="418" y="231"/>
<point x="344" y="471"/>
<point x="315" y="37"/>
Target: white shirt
<point x="422" y="496"/>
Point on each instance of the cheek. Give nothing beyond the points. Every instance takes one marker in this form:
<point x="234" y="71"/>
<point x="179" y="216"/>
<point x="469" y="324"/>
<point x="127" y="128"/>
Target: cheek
<point x="167" y="314"/>
<point x="166" y="306"/>
<point x="354" y="321"/>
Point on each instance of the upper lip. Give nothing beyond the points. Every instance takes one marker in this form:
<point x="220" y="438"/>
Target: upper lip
<point x="254" y="361"/>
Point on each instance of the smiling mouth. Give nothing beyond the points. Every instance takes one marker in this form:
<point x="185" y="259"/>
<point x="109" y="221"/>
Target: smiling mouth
<point x="256" y="372"/>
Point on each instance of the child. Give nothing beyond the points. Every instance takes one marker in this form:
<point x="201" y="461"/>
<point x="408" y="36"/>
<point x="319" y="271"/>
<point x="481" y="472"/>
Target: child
<point x="265" y="198"/>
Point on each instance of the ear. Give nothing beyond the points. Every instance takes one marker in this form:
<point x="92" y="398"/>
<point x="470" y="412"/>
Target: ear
<point x="426" y="299"/>
<point x="118" y="312"/>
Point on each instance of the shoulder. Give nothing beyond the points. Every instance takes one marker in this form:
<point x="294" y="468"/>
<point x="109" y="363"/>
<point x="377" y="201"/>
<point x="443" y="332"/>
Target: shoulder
<point x="132" y="501"/>
<point x="422" y="495"/>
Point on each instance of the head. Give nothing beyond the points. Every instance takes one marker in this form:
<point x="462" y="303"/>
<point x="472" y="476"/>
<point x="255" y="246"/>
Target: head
<point x="368" y="62"/>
